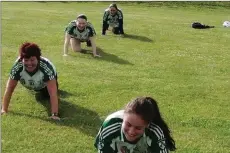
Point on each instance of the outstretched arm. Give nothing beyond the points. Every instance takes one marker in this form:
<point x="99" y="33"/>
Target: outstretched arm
<point x="94" y="47"/>
<point x="121" y="26"/>
<point x="53" y="92"/>
<point x="120" y="20"/>
<point x="66" y="44"/>
<point x="105" y="25"/>
<point x="11" y="84"/>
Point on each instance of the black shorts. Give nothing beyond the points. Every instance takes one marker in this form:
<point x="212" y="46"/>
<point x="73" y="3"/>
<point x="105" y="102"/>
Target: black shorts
<point x="44" y="91"/>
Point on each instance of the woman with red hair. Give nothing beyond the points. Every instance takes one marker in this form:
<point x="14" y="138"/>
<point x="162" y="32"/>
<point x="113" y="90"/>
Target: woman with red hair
<point x="35" y="73"/>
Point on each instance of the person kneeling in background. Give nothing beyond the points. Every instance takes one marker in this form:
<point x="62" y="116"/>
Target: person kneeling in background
<point x="113" y="17"/>
<point x="79" y="31"/>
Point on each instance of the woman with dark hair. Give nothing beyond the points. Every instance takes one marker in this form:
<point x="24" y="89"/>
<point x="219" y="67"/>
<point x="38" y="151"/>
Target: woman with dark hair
<point x="113" y="17"/>
<point x="138" y="128"/>
<point x="78" y="31"/>
<point x="35" y="73"/>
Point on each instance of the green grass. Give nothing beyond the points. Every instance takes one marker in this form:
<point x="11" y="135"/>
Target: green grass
<point x="186" y="70"/>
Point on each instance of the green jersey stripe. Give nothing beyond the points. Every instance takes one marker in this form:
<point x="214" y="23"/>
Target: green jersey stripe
<point x="110" y="128"/>
<point x="111" y="132"/>
<point x="17" y="66"/>
<point x="157" y="130"/>
<point x="47" y="69"/>
<point x="15" y="69"/>
<point x="164" y="151"/>
<point x="53" y="67"/>
<point x="157" y="133"/>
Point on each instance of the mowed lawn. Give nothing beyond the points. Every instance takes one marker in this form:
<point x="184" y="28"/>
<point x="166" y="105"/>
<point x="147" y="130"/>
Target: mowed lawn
<point x="185" y="70"/>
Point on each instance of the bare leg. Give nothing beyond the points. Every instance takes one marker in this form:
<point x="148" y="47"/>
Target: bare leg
<point x="75" y="44"/>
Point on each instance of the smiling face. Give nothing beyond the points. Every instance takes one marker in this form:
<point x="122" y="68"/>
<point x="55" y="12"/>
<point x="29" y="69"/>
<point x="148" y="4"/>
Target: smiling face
<point x="81" y="23"/>
<point x="30" y="63"/>
<point x="133" y="126"/>
<point x="112" y="10"/>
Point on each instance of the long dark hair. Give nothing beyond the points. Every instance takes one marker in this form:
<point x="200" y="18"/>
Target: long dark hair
<point x="148" y="109"/>
<point x="113" y="5"/>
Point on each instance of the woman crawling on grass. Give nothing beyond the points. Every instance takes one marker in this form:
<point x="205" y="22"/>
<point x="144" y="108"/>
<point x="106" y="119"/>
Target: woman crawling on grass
<point x="139" y="128"/>
<point x="113" y="17"/>
<point x="35" y="73"/>
<point x="79" y="31"/>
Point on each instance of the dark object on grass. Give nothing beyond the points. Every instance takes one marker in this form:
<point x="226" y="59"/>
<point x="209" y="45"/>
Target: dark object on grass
<point x="198" y="25"/>
<point x="88" y="43"/>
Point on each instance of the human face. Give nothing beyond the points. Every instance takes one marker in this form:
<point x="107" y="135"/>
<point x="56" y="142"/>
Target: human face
<point x="81" y="23"/>
<point x="112" y="10"/>
<point x="30" y="63"/>
<point x="133" y="126"/>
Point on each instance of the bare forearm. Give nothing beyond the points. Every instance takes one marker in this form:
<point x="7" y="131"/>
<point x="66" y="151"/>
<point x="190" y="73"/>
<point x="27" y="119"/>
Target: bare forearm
<point x="54" y="104"/>
<point x="6" y="100"/>
<point x="11" y="84"/>
<point x="94" y="49"/>
<point x="66" y="45"/>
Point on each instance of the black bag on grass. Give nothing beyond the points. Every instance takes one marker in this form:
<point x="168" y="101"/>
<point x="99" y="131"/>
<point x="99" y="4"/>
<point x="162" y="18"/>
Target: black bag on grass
<point x="198" y="25"/>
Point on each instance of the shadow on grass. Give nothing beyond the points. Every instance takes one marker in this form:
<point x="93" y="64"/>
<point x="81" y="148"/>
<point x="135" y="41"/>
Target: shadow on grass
<point x="136" y="37"/>
<point x="71" y="115"/>
<point x="107" y="56"/>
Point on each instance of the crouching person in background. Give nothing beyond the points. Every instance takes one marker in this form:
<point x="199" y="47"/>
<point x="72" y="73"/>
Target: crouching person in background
<point x="35" y="73"/>
<point x="79" y="31"/>
<point x="113" y="17"/>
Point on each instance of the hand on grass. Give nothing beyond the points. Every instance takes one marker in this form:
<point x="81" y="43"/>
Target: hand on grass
<point x="3" y="112"/>
<point x="56" y="118"/>
<point x="65" y="55"/>
<point x="97" y="55"/>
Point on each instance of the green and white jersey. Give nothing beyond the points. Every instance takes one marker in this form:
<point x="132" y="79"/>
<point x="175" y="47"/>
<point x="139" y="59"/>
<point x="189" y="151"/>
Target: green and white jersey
<point x="110" y="138"/>
<point x="37" y="80"/>
<point x="112" y="20"/>
<point x="83" y="35"/>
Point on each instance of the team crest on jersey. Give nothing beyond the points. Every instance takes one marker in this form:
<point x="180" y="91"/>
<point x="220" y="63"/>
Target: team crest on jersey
<point x="124" y="149"/>
<point x="113" y="18"/>
<point x="31" y="82"/>
<point x="84" y="36"/>
<point x="23" y="82"/>
<point x="113" y="21"/>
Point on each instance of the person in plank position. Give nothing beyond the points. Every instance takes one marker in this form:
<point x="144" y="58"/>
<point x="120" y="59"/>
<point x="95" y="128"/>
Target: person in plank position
<point x="34" y="72"/>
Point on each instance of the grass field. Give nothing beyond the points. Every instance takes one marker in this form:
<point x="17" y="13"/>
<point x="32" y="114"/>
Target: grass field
<point x="185" y="70"/>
